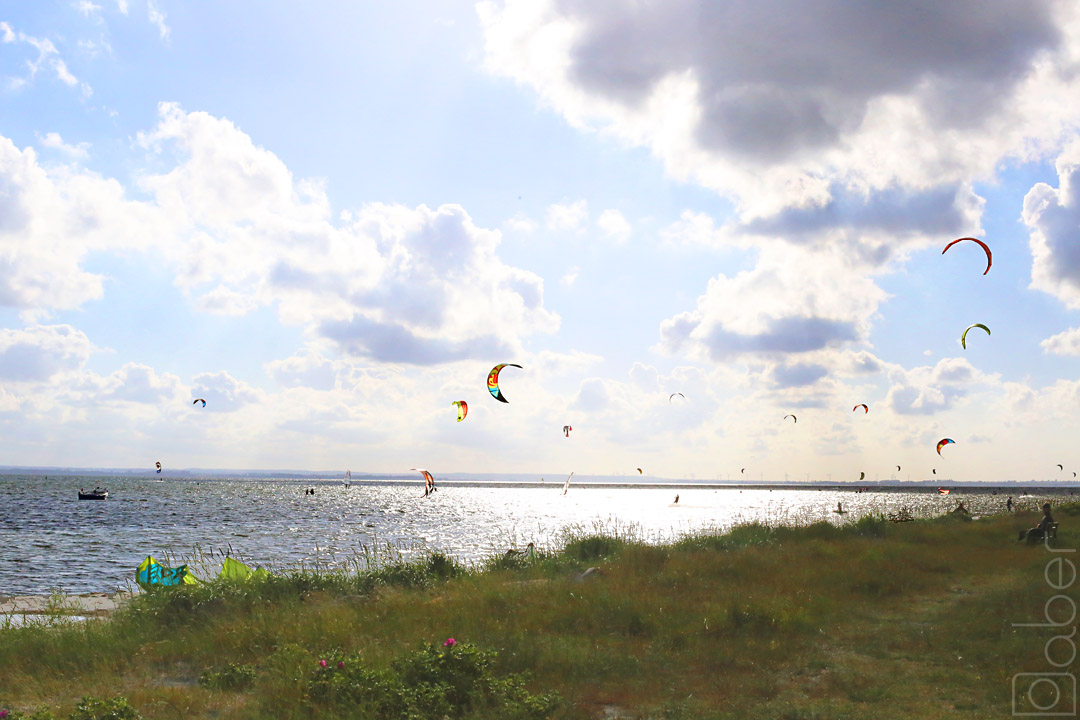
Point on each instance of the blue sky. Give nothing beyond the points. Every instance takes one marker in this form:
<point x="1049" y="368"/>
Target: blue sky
<point x="331" y="223"/>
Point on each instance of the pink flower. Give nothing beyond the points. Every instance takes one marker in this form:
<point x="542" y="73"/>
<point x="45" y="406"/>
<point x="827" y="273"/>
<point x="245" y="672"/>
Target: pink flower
<point x="3" y="713"/>
<point x="340" y="664"/>
<point x="322" y="663"/>
<point x="450" y="642"/>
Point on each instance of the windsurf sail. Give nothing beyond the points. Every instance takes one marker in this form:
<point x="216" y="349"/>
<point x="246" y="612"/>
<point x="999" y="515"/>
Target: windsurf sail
<point x="567" y="485"/>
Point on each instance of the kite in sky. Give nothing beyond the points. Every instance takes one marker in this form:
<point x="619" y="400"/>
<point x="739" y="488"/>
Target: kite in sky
<point x="963" y="338"/>
<point x="942" y="443"/>
<point x="429" y="481"/>
<point x="199" y="400"/>
<point x="158" y="466"/>
<point x="493" y="381"/>
<point x="462" y="409"/>
<point x="863" y="406"/>
<point x="674" y="394"/>
<point x="986" y="249"/>
<point x="566" y="430"/>
<point x="795" y="419"/>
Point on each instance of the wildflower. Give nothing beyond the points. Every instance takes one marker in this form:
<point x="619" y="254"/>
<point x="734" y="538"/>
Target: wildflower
<point x="3" y="713"/>
<point x="340" y="664"/>
<point x="322" y="663"/>
<point x="450" y="642"/>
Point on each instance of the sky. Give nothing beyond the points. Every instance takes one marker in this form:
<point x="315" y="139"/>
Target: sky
<point x="331" y="222"/>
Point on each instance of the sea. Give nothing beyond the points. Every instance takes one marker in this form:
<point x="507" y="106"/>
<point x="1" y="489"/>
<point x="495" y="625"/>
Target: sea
<point x="51" y="541"/>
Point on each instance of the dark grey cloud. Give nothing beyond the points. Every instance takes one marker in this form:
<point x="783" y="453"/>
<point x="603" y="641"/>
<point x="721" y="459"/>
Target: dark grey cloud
<point x="798" y="374"/>
<point x="780" y="79"/>
<point x="783" y="335"/>
<point x="387" y="342"/>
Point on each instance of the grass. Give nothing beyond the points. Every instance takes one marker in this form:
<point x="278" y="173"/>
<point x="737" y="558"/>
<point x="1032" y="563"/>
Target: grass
<point x="865" y="619"/>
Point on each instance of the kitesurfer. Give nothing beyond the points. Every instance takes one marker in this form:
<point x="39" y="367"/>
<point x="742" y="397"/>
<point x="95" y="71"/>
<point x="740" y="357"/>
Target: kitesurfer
<point x="676" y="498"/>
<point x="1039" y="531"/>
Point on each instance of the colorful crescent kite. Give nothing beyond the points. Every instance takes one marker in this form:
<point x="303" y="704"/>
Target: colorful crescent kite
<point x="863" y="406"/>
<point x="674" y="394"/>
<point x="462" y="409"/>
<point x="566" y="430"/>
<point x="944" y="491"/>
<point x="199" y="400"/>
<point x="989" y="256"/>
<point x="963" y="338"/>
<point x="493" y="381"/>
<point x="158" y="466"/>
<point x="429" y="480"/>
<point x="942" y="443"/>
<point x="795" y="419"/>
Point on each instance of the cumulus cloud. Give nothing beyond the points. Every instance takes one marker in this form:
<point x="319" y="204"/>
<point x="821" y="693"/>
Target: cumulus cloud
<point x="39" y="352"/>
<point x="1053" y="216"/>
<point x="49" y="221"/>
<point x="614" y="225"/>
<point x="791" y="302"/>
<point x="156" y="17"/>
<point x="223" y="392"/>
<point x="134" y="383"/>
<point x="1064" y="343"/>
<point x="740" y="98"/>
<point x="390" y="283"/>
<point x="567" y="217"/>
<point x="929" y="390"/>
<point x="307" y="368"/>
<point x="54" y="141"/>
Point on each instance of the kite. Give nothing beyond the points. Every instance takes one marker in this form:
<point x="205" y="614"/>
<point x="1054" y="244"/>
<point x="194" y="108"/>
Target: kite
<point x="639" y="471"/>
<point x="897" y="468"/>
<point x="566" y="430"/>
<point x="1074" y="474"/>
<point x="862" y="476"/>
<point x="743" y="471"/>
<point x="942" y="443"/>
<point x="199" y="400"/>
<point x="567" y="485"/>
<point x="944" y="491"/>
<point x="462" y="409"/>
<point x="1060" y="467"/>
<point x="934" y="471"/>
<point x="963" y="338"/>
<point x="493" y="381"/>
<point x="795" y="419"/>
<point x="158" y="466"/>
<point x="674" y="394"/>
<point x="429" y="481"/>
<point x="863" y="406"/>
<point x="989" y="256"/>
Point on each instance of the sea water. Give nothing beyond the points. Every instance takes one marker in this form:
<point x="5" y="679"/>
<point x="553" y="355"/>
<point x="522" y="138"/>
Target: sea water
<point x="50" y="540"/>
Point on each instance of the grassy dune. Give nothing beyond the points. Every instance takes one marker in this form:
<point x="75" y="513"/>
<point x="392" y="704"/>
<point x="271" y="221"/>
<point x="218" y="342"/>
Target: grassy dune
<point x="871" y="619"/>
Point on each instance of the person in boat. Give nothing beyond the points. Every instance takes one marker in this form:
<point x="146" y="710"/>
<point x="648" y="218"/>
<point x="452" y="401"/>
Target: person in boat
<point x="1009" y="504"/>
<point x="1039" y="531"/>
<point x="960" y="509"/>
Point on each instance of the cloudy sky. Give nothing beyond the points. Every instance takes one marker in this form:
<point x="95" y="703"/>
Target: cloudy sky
<point x="332" y="222"/>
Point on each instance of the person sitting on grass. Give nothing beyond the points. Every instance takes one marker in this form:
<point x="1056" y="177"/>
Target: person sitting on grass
<point x="1039" y="531"/>
<point x="960" y="509"/>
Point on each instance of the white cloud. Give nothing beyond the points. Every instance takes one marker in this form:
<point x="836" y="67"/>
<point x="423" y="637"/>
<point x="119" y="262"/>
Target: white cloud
<point x="54" y="141"/>
<point x="1053" y="216"/>
<point x="86" y="7"/>
<point x="791" y="303"/>
<point x="567" y="217"/>
<point x="47" y="56"/>
<point x="571" y="275"/>
<point x="39" y="352"/>
<point x="742" y="99"/>
<point x="307" y="368"/>
<point x="1064" y="343"/>
<point x="393" y="284"/>
<point x="223" y="392"/>
<point x="521" y="223"/>
<point x="928" y="390"/>
<point x="122" y="6"/>
<point x="614" y="225"/>
<point x="156" y="16"/>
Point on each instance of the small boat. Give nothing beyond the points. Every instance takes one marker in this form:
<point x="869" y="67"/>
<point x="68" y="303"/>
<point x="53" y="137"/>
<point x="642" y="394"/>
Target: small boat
<point x="98" y="493"/>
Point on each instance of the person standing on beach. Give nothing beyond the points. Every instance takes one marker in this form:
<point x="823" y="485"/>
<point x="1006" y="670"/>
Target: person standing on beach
<point x="1009" y="504"/>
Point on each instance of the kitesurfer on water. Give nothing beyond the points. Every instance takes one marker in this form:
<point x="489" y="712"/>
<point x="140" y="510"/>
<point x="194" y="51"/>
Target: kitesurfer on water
<point x="1039" y="531"/>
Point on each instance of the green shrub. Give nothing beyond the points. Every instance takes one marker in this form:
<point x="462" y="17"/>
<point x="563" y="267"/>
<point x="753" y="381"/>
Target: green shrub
<point x="434" y="681"/>
<point x="117" y="708"/>
<point x="230" y="677"/>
